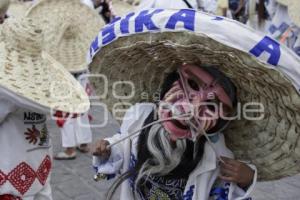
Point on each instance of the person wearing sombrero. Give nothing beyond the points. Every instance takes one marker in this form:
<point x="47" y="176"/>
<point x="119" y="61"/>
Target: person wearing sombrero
<point x="69" y="33"/>
<point x="200" y="69"/>
<point x="285" y="25"/>
<point x="33" y="86"/>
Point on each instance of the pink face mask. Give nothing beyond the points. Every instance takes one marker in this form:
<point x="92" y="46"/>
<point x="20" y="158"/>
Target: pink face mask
<point x="197" y="93"/>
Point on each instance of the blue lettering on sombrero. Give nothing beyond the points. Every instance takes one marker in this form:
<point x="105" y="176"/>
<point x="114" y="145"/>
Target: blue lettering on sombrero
<point x="141" y="21"/>
<point x="269" y="45"/>
<point x="94" y="46"/>
<point x="186" y="16"/>
<point x="145" y="19"/>
<point x="174" y="20"/>
<point x="108" y="34"/>
<point x="124" y="24"/>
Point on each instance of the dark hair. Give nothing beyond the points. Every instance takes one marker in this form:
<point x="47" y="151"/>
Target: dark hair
<point x="224" y="81"/>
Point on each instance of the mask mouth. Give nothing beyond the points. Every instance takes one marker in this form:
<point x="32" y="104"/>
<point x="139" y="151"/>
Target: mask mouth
<point x="180" y="125"/>
<point x="180" y="128"/>
<point x="177" y="127"/>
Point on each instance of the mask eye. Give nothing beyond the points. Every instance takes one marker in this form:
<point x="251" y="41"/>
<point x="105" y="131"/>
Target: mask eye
<point x="193" y="84"/>
<point x="213" y="104"/>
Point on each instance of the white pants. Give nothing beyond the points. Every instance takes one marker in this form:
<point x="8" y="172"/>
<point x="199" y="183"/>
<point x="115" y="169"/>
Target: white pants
<point x="76" y="131"/>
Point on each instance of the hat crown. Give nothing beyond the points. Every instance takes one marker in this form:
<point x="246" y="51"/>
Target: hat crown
<point x="24" y="36"/>
<point x="70" y="32"/>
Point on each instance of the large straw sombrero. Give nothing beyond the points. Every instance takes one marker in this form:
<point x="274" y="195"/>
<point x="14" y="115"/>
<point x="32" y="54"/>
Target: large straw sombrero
<point x="70" y="27"/>
<point x="144" y="57"/>
<point x="28" y="72"/>
<point x="18" y="8"/>
<point x="293" y="9"/>
<point x="121" y="8"/>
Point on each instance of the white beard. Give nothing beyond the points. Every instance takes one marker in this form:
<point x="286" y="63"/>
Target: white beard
<point x="162" y="161"/>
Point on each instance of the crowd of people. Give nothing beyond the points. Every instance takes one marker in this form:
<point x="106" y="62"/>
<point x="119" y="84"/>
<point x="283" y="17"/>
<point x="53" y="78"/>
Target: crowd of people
<point x="172" y="147"/>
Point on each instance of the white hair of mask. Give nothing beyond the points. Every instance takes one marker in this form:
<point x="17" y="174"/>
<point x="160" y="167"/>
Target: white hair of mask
<point x="165" y="155"/>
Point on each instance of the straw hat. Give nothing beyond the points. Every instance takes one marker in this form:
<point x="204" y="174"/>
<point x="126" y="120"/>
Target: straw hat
<point x="4" y="4"/>
<point x="293" y="9"/>
<point x="18" y="8"/>
<point x="28" y="72"/>
<point x="69" y="32"/>
<point x="144" y="59"/>
<point x="121" y="8"/>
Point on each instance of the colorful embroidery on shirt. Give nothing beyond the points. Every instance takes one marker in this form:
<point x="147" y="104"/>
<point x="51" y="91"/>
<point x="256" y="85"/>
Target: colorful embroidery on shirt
<point x="156" y="187"/>
<point x="158" y="194"/>
<point x="2" y="178"/>
<point x="44" y="170"/>
<point x="23" y="176"/>
<point x="33" y="135"/>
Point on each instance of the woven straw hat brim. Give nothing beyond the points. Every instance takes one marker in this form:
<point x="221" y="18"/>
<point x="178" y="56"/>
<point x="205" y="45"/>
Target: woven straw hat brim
<point x="293" y="9"/>
<point x="272" y="143"/>
<point x="121" y="8"/>
<point x="18" y="9"/>
<point x="69" y="27"/>
<point x="30" y="73"/>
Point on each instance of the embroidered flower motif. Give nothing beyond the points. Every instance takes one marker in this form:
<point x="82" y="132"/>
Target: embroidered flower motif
<point x="32" y="135"/>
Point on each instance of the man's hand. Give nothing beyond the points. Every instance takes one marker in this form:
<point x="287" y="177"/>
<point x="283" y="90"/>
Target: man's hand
<point x="237" y="172"/>
<point x="101" y="149"/>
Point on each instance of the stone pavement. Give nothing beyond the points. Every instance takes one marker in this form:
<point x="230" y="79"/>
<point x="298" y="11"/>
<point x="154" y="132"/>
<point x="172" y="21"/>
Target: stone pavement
<point x="73" y="180"/>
